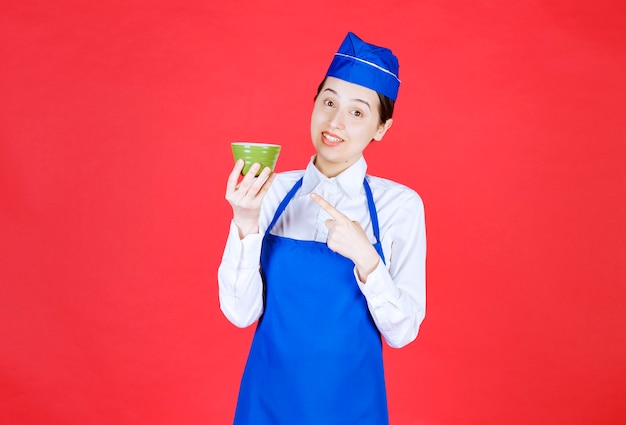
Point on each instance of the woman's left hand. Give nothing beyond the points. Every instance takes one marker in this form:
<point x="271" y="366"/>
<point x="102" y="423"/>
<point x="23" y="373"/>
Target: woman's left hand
<point x="347" y="237"/>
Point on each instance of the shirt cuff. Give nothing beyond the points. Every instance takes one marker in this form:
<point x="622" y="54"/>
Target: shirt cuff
<point x="247" y="250"/>
<point x="379" y="287"/>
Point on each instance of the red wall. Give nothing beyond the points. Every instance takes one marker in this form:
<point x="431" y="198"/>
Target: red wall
<point x="115" y="123"/>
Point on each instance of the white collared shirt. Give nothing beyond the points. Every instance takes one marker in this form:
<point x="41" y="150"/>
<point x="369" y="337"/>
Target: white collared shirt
<point x="395" y="291"/>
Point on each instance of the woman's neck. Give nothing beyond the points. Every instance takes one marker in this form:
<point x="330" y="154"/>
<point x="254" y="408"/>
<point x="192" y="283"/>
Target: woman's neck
<point x="331" y="169"/>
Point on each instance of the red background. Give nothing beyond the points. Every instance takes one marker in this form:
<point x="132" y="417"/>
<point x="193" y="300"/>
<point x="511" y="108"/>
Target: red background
<point x="115" y="123"/>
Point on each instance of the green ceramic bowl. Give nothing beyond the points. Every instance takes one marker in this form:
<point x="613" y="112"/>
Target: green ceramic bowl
<point x="265" y="154"/>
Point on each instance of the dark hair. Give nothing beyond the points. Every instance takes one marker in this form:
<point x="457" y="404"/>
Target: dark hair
<point x="386" y="104"/>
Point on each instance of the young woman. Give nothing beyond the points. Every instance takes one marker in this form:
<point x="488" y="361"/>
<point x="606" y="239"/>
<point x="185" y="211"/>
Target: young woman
<point x="327" y="259"/>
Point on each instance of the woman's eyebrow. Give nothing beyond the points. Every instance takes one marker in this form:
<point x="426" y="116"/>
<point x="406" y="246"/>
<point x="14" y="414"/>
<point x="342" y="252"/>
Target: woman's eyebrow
<point x="355" y="99"/>
<point x="363" y="101"/>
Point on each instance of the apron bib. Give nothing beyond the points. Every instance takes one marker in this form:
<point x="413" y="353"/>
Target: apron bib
<point x="316" y="355"/>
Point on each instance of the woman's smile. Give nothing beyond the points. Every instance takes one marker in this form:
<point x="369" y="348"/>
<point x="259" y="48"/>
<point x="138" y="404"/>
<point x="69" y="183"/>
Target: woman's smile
<point x="330" y="139"/>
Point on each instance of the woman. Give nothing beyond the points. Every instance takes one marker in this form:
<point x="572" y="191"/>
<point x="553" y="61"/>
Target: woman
<point x="327" y="259"/>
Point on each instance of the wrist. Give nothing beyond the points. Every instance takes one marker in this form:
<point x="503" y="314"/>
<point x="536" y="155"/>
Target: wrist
<point x="246" y="227"/>
<point x="367" y="267"/>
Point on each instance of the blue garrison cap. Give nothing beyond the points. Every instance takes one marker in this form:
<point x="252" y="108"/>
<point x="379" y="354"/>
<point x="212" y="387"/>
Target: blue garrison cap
<point x="367" y="65"/>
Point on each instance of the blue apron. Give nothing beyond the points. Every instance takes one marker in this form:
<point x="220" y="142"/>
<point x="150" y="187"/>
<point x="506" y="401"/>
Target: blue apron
<point x="316" y="355"/>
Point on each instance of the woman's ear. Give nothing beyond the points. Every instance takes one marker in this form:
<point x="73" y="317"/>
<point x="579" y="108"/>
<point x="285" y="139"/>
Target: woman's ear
<point x="382" y="129"/>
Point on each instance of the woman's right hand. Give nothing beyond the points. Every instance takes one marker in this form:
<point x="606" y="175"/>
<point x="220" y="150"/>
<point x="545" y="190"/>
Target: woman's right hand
<point x="245" y="196"/>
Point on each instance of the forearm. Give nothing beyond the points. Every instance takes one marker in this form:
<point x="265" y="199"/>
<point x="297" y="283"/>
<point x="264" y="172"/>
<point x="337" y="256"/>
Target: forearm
<point x="239" y="279"/>
<point x="397" y="311"/>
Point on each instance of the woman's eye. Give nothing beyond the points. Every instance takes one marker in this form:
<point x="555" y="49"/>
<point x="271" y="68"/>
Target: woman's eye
<point x="357" y="113"/>
<point x="329" y="102"/>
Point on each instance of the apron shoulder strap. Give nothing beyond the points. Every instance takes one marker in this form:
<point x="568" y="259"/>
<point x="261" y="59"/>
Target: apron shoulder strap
<point x="374" y="217"/>
<point x="283" y="204"/>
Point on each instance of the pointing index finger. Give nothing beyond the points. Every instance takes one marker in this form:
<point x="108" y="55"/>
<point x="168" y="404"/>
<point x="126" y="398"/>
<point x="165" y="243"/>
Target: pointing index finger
<point x="326" y="206"/>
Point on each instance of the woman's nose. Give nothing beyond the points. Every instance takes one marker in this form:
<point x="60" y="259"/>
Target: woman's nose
<point x="336" y="119"/>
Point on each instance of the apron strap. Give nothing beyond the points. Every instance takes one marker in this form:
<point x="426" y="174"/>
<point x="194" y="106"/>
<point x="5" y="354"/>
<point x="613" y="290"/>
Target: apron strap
<point x="374" y="218"/>
<point x="372" y="208"/>
<point x="283" y="204"/>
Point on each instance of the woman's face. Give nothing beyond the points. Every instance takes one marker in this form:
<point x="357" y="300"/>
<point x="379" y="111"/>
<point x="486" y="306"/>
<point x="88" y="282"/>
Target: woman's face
<point x="345" y="120"/>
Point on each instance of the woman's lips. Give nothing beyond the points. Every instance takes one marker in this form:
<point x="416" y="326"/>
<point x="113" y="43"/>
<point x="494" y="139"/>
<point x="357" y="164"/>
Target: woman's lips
<point x="331" y="139"/>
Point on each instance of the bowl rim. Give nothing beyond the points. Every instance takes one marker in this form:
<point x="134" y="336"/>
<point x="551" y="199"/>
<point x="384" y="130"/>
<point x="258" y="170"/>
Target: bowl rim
<point x="255" y="144"/>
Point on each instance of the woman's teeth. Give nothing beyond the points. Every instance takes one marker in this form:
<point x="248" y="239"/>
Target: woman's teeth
<point x="332" y="139"/>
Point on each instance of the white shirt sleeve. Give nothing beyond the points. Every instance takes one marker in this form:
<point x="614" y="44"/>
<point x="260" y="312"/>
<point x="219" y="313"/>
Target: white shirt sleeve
<point x="239" y="278"/>
<point x="396" y="293"/>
